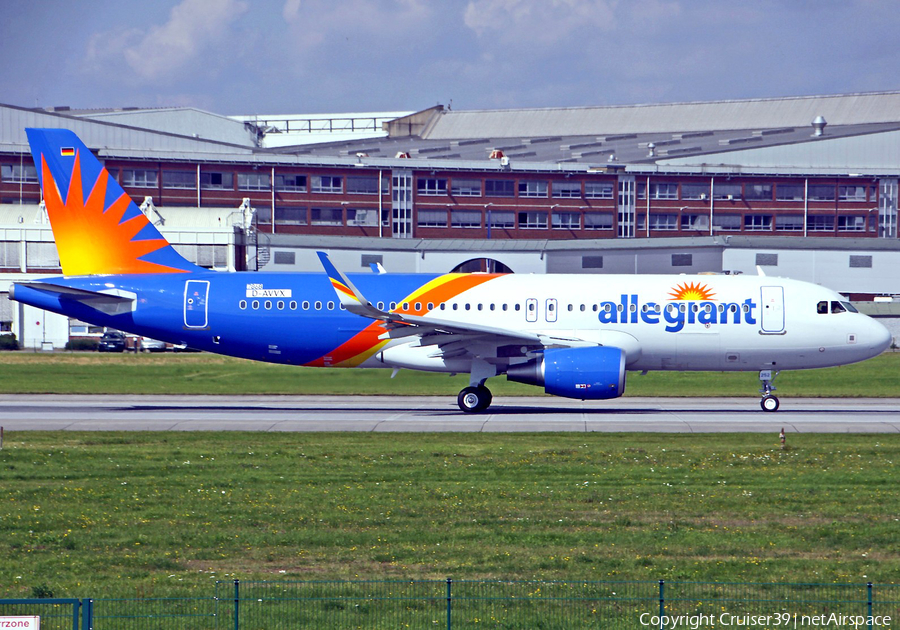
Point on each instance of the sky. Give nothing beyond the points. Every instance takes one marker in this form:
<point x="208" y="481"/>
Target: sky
<point x="335" y="56"/>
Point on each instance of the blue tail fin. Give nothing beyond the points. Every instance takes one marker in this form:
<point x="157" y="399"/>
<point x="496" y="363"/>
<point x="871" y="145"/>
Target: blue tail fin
<point x="97" y="227"/>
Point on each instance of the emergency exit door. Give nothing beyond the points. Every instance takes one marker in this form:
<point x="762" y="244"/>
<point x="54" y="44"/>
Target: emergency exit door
<point x="196" y="294"/>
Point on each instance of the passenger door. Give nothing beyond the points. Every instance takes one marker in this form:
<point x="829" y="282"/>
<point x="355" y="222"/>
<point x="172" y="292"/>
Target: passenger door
<point x="196" y="294"/>
<point x="771" y="310"/>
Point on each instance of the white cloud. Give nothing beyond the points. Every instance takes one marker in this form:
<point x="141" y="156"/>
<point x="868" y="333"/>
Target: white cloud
<point x="538" y="21"/>
<point x="165" y="51"/>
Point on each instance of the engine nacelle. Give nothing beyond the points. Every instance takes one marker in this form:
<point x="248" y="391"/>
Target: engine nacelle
<point x="587" y="373"/>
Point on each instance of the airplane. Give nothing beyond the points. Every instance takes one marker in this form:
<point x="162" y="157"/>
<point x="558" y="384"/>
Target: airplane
<point x="575" y="336"/>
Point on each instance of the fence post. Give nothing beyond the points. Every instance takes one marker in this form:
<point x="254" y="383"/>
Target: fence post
<point x="662" y="604"/>
<point x="869" y="589"/>
<point x="449" y="603"/>
<point x="237" y="603"/>
<point x="87" y="614"/>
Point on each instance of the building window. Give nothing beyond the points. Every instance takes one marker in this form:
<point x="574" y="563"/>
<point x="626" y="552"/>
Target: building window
<point x="758" y="192"/>
<point x="465" y="187"/>
<point x="788" y="192"/>
<point x="263" y="214"/>
<point x="40" y="255"/>
<point x="431" y="186"/>
<point x="9" y="255"/>
<point x="326" y="216"/>
<point x="253" y="181"/>
<point x="820" y="223"/>
<point x="139" y="178"/>
<point x="598" y="221"/>
<point x="328" y="184"/>
<point x="567" y="190"/>
<point x="432" y="218"/>
<point x="758" y="222"/>
<point x="727" y="222"/>
<point x="566" y="220"/>
<point x="767" y="260"/>
<point x="851" y="193"/>
<point x="284" y="258"/>
<point x="695" y="191"/>
<point x="821" y="193"/>
<point x="216" y="181"/>
<point x="860" y="262"/>
<point x="532" y="188"/>
<point x="788" y="223"/>
<point x="592" y="262"/>
<point x="695" y="222"/>
<point x="290" y="183"/>
<point x="465" y="218"/>
<point x="663" y="221"/>
<point x="183" y="180"/>
<point x="599" y="190"/>
<point x="290" y="216"/>
<point x="499" y="188"/>
<point x="533" y="220"/>
<point x="362" y="216"/>
<point x="366" y="184"/>
<point x="682" y="260"/>
<point x="367" y="260"/>
<point x="722" y="190"/>
<point x="851" y="224"/>
<point x="19" y="173"/>
<point x="664" y="190"/>
<point x="501" y="219"/>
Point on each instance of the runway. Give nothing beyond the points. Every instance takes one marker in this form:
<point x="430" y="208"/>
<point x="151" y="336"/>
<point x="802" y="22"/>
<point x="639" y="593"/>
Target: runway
<point x="431" y="414"/>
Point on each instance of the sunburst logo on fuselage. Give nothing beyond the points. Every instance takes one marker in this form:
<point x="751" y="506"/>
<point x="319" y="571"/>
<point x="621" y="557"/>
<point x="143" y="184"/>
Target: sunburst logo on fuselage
<point x="693" y="291"/>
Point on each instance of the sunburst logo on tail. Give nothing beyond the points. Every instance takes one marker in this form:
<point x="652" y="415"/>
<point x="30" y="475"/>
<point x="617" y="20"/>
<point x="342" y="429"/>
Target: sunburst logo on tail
<point x="692" y="291"/>
<point x="93" y="238"/>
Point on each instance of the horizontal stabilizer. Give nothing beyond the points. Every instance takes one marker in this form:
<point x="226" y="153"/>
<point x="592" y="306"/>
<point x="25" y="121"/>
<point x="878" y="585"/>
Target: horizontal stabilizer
<point x="111" y="302"/>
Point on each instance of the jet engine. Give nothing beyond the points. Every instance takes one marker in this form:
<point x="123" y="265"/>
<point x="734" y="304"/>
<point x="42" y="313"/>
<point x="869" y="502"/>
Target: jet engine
<point x="592" y="373"/>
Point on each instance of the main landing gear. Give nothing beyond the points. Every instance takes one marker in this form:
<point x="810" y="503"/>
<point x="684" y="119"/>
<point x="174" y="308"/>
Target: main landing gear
<point x="768" y="402"/>
<point x="474" y="399"/>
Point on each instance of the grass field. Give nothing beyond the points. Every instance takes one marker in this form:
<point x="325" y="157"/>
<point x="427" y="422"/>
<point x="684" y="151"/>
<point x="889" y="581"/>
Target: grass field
<point x="151" y="515"/>
<point x="26" y="372"/>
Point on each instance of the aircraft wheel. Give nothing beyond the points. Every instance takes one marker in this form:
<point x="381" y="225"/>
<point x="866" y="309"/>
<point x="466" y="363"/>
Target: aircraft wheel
<point x="769" y="403"/>
<point x="474" y="399"/>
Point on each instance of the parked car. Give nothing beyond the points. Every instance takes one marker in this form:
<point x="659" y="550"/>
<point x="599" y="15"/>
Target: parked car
<point x="152" y="345"/>
<point x="111" y="341"/>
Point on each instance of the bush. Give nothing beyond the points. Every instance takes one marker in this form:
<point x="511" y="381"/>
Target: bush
<point x="8" y="342"/>
<point x="82" y="344"/>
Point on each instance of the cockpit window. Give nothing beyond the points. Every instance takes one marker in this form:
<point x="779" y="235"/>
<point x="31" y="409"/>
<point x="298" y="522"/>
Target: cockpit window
<point x="822" y="307"/>
<point x="850" y="307"/>
<point x="837" y="307"/>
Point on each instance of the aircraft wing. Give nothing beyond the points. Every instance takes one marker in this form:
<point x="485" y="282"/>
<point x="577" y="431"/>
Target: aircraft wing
<point x="432" y="330"/>
<point x="111" y="302"/>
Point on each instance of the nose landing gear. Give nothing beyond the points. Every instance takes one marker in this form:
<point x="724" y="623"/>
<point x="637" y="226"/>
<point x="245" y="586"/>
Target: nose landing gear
<point x="768" y="402"/>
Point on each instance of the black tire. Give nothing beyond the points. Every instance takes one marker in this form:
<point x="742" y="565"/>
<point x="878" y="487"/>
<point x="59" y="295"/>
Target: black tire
<point x="474" y="399"/>
<point x="769" y="403"/>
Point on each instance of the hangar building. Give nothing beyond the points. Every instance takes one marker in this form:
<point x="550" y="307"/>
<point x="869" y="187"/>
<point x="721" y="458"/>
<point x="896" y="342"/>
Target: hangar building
<point x="804" y="187"/>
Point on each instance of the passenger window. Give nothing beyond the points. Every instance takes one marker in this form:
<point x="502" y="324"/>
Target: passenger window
<point x="822" y="307"/>
<point x="293" y="306"/>
<point x="518" y="307"/>
<point x="504" y="307"/>
<point x="492" y="307"/>
<point x="595" y="308"/>
<point x="443" y="306"/>
<point x="582" y="308"/>
<point x="418" y="306"/>
<point x="268" y="305"/>
<point x="243" y="304"/>
<point x="318" y="306"/>
<point x="305" y="305"/>
<point x="570" y="308"/>
<point x="393" y="305"/>
<point x="331" y="306"/>
<point x="380" y="306"/>
<point x="479" y="306"/>
<point x="405" y="306"/>
<point x="280" y="306"/>
<point x="255" y="304"/>
<point x="431" y="306"/>
<point x="530" y="308"/>
<point x="468" y="306"/>
<point x="837" y="307"/>
<point x="455" y="306"/>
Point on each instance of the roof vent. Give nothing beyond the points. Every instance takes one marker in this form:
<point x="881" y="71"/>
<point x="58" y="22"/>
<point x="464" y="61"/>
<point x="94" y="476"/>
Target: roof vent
<point x="496" y="154"/>
<point x="652" y="147"/>
<point x="819" y="126"/>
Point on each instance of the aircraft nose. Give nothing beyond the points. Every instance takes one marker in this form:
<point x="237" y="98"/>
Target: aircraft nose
<point x="878" y="337"/>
